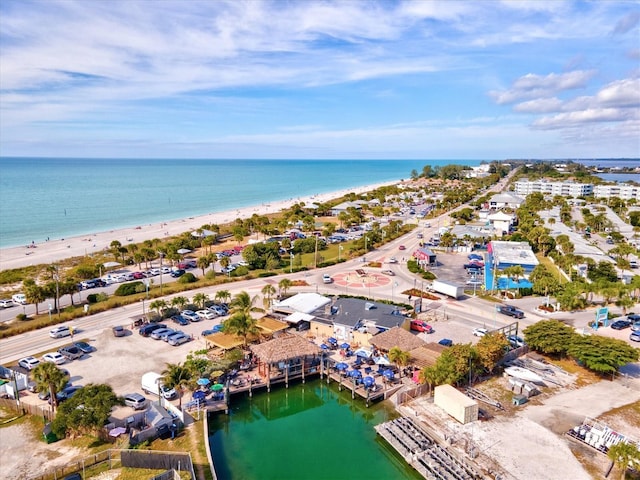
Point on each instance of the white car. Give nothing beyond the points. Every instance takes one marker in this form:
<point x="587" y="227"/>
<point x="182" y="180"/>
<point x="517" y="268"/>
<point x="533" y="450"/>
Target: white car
<point x="206" y="314"/>
<point x="54" y="357"/>
<point x="19" y="298"/>
<point x="393" y="260"/>
<point x="326" y="278"/>
<point x="176" y="340"/>
<point x="165" y="269"/>
<point x="29" y="362"/>
<point x="6" y="303"/>
<point x="480" y="332"/>
<point x="190" y="315"/>
<point x="60" y="332"/>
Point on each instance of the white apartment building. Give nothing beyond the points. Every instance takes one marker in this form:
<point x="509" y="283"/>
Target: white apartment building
<point x="564" y="189"/>
<point x="622" y="190"/>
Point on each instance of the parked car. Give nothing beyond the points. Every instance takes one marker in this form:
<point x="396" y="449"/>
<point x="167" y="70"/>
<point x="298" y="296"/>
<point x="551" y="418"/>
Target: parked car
<point x="146" y="330"/>
<point x="54" y="357"/>
<point x="620" y="324"/>
<point x="402" y="247"/>
<point x="177" y="273"/>
<point x="515" y="341"/>
<point x="138" y="275"/>
<point x="511" y="311"/>
<point x="175" y="340"/>
<point x="6" y="303"/>
<point x="28" y="362"/>
<point x="421" y="326"/>
<point x="480" y="332"/>
<point x="157" y="334"/>
<point x="205" y="314"/>
<point x="211" y="331"/>
<point x="218" y="310"/>
<point x="59" y="332"/>
<point x="119" y="331"/>
<point x="70" y="352"/>
<point x="67" y="393"/>
<point x="388" y="272"/>
<point x="393" y="260"/>
<point x="634" y="337"/>
<point x="635" y="326"/>
<point x="135" y="401"/>
<point x="446" y="342"/>
<point x="190" y="315"/>
<point x="180" y="320"/>
<point x="167" y="336"/>
<point x="475" y="265"/>
<point x="84" y="347"/>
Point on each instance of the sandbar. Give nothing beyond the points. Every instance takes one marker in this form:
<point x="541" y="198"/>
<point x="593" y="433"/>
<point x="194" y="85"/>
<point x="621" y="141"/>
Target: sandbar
<point x="59" y="249"/>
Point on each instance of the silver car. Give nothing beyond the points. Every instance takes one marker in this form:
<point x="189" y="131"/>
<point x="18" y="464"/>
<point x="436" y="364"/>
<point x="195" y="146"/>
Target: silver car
<point x="179" y="339"/>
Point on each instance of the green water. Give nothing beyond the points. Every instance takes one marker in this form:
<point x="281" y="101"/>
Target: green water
<point x="306" y="432"/>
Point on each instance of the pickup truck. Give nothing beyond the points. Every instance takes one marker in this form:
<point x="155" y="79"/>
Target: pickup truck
<point x="70" y="352"/>
<point x="510" y="311"/>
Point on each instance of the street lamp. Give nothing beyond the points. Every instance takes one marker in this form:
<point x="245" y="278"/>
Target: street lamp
<point x="161" y="256"/>
<point x="291" y="255"/>
<point x="394" y="284"/>
<point x="339" y="251"/>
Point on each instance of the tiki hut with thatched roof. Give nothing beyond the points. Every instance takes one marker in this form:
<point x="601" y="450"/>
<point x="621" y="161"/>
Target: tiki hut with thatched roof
<point x="289" y="356"/>
<point x="396" y="337"/>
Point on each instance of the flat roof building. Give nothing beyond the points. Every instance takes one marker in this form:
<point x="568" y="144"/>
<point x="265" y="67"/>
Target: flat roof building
<point x="507" y="254"/>
<point x="564" y="189"/>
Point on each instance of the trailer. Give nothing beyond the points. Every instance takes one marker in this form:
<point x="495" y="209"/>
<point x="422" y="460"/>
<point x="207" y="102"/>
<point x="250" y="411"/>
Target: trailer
<point x="452" y="290"/>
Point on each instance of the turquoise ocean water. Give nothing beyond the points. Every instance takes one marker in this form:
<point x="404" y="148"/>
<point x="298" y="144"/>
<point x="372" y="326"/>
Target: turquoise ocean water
<point x="62" y="197"/>
<point x="306" y="432"/>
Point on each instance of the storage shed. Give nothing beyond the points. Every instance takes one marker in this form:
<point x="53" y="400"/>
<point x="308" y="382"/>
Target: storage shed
<point x="456" y="403"/>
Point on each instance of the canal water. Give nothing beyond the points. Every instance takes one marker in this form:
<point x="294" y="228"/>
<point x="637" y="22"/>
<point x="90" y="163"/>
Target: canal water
<point x="309" y="431"/>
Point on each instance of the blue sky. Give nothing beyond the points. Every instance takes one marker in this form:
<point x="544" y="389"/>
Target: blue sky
<point x="320" y="79"/>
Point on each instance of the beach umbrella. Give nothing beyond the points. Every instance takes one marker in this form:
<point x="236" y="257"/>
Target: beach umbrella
<point x="345" y="345"/>
<point x="389" y="374"/>
<point x="382" y="361"/>
<point x="369" y="381"/>
<point x="199" y="395"/>
<point x="217" y="387"/>
<point x="332" y="340"/>
<point x="355" y="373"/>
<point x="341" y="366"/>
<point x="362" y="353"/>
<point x="203" y="382"/>
<point x="324" y="347"/>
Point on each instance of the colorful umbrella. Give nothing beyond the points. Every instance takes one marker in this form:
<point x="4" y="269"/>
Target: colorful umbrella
<point x="369" y="381"/>
<point x="355" y="373"/>
<point x="332" y="340"/>
<point x="324" y="347"/>
<point x="199" y="395"/>
<point x="341" y="366"/>
<point x="217" y="387"/>
<point x="203" y="382"/>
<point x="345" y="345"/>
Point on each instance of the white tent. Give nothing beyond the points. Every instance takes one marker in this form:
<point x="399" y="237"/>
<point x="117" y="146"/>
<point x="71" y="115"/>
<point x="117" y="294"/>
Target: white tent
<point x="302" y="302"/>
<point x="297" y="317"/>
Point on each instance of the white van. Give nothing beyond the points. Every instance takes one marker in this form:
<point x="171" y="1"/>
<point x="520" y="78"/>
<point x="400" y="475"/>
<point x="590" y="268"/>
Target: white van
<point x="152" y="383"/>
<point x="19" y="298"/>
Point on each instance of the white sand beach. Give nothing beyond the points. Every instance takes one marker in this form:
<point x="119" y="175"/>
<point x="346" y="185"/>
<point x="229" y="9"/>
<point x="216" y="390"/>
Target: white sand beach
<point x="58" y="249"/>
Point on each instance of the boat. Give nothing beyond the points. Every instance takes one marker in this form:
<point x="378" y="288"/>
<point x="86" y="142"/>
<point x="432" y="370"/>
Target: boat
<point x="523" y="374"/>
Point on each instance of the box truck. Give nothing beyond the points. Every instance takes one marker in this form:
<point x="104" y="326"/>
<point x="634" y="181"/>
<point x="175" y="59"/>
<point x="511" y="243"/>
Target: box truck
<point x="450" y="289"/>
<point x="152" y="383"/>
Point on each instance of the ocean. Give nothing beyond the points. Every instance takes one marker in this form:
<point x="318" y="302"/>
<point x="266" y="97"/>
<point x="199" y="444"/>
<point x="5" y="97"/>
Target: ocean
<point x="63" y="197"/>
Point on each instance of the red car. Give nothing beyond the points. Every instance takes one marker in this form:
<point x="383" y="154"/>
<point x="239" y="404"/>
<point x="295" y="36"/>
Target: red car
<point x="138" y="275"/>
<point x="402" y="247"/>
<point x="421" y="326"/>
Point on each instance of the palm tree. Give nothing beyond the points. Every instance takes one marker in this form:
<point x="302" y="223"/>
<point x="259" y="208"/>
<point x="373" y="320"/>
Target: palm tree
<point x="179" y="302"/>
<point x="243" y="303"/>
<point x="284" y="285"/>
<point x="399" y="357"/>
<point x="49" y="377"/>
<point x="200" y="299"/>
<point x="223" y="295"/>
<point x="241" y="322"/>
<point x="225" y="262"/>
<point x="268" y="291"/>
<point x="34" y="292"/>
<point x="203" y="262"/>
<point x="179" y="377"/>
<point x="624" y="455"/>
<point x="158" y="306"/>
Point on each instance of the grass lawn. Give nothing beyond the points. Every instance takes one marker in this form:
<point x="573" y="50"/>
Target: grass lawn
<point x="552" y="268"/>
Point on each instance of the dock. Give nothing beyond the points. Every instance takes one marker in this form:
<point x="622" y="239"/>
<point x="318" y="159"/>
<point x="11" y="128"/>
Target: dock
<point x="420" y="451"/>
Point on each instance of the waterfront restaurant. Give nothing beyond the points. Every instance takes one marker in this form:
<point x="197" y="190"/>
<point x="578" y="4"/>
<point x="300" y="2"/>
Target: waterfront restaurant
<point x="285" y="358"/>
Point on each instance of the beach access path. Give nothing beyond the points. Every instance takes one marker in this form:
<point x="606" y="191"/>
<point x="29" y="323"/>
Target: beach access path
<point x="57" y="249"/>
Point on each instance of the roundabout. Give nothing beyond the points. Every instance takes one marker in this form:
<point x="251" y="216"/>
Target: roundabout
<point x="361" y="279"/>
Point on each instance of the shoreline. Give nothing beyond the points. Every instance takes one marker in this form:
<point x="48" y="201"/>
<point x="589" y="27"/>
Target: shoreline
<point x="55" y="250"/>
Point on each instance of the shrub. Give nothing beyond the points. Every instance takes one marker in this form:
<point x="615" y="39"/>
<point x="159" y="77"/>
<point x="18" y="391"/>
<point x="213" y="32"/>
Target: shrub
<point x="428" y="276"/>
<point x="266" y="274"/>
<point x="210" y="275"/>
<point x="128" y="289"/>
<point x="241" y="271"/>
<point x="92" y="298"/>
<point x="188" y="278"/>
<point x="22" y="317"/>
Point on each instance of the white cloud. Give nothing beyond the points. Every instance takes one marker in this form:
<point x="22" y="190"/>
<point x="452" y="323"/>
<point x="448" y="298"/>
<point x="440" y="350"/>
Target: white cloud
<point x="591" y="115"/>
<point x="535" y="86"/>
<point x="541" y="105"/>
